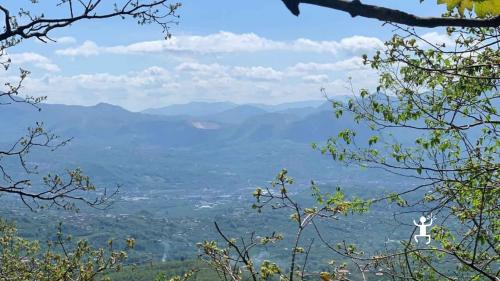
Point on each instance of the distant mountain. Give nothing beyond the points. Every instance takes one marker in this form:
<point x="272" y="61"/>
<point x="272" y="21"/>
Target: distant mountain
<point x="101" y="124"/>
<point x="265" y="127"/>
<point x="209" y="109"/>
<point x="192" y="109"/>
<point x="290" y="105"/>
<point x="237" y="114"/>
<point x="105" y="123"/>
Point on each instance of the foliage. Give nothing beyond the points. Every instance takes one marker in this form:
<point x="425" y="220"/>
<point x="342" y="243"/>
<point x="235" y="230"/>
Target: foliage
<point x="22" y="259"/>
<point x="482" y="8"/>
<point x="181" y="270"/>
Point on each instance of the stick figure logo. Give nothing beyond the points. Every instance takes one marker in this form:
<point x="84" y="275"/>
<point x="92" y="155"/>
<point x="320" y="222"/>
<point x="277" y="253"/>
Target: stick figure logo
<point x="423" y="229"/>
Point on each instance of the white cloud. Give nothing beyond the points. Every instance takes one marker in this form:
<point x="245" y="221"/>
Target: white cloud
<point x="222" y="42"/>
<point x="132" y="90"/>
<point x="198" y="70"/>
<point x="33" y="58"/>
<point x="149" y="77"/>
<point x="88" y="48"/>
<point x="243" y="72"/>
<point x="437" y="39"/>
<point x="213" y="69"/>
<point x="320" y="78"/>
<point x="354" y="63"/>
<point x="258" y="73"/>
<point x="350" y="44"/>
<point x="66" y="40"/>
<point x="227" y="42"/>
<point x="193" y="81"/>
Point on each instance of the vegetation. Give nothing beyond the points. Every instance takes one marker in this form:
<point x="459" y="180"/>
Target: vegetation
<point x="160" y="272"/>
<point x="22" y="259"/>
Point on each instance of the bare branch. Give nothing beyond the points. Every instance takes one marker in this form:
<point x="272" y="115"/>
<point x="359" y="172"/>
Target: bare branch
<point x="356" y="8"/>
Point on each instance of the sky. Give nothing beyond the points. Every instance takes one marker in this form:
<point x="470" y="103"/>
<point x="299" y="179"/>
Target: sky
<point x="222" y="50"/>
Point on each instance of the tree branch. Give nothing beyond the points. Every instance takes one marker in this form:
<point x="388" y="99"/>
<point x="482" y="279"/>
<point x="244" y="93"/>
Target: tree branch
<point x="158" y="11"/>
<point x="8" y="27"/>
<point x="356" y="8"/>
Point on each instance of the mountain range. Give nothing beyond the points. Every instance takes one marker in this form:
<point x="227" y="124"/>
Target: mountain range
<point x="217" y="144"/>
<point x="178" y="125"/>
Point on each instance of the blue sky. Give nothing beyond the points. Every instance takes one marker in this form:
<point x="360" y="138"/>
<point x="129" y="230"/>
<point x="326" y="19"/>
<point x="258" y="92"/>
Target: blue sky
<point x="225" y="50"/>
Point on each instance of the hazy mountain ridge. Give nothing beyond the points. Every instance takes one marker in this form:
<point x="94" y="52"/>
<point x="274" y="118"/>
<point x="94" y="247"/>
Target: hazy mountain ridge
<point x="192" y="109"/>
<point x="199" y="109"/>
<point x="142" y="150"/>
<point x="109" y="123"/>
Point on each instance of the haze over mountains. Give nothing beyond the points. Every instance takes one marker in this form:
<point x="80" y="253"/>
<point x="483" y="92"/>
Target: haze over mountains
<point x="199" y="141"/>
<point x="182" y="167"/>
<point x="209" y="108"/>
<point x="209" y="144"/>
<point x="179" y="125"/>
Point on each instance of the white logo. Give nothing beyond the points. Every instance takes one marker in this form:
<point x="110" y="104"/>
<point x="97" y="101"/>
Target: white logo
<point x="423" y="229"/>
